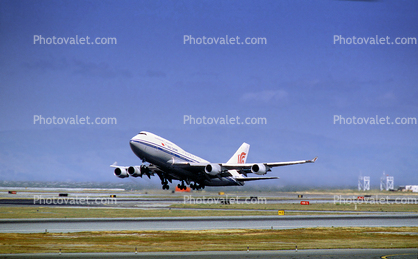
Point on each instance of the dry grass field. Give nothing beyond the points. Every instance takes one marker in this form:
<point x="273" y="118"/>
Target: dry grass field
<point x="209" y="240"/>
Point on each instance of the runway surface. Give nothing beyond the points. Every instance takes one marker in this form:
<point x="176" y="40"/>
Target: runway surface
<point x="311" y="254"/>
<point x="163" y="201"/>
<point x="154" y="199"/>
<point x="201" y="223"/>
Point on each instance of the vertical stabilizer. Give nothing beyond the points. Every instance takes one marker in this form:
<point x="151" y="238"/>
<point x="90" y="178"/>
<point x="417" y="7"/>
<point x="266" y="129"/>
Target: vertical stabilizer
<point x="240" y="157"/>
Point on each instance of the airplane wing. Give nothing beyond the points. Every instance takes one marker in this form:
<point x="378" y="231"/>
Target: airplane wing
<point x="270" y="165"/>
<point x="115" y="164"/>
<point x="235" y="166"/>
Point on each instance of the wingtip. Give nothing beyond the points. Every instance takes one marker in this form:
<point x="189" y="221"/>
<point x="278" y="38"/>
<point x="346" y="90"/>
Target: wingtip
<point x="313" y="160"/>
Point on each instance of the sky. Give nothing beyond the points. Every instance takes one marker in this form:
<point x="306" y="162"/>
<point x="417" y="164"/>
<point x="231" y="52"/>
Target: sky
<point x="300" y="80"/>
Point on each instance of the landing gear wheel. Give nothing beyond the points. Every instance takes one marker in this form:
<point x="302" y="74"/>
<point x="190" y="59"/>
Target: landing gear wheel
<point x="182" y="186"/>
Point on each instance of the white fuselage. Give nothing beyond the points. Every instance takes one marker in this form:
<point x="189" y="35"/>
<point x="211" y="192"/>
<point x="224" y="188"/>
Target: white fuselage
<point x="163" y="153"/>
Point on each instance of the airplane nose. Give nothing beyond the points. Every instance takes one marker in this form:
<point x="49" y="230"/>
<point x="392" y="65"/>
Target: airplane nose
<point x="138" y="149"/>
<point x="136" y="145"/>
<point x="133" y="145"/>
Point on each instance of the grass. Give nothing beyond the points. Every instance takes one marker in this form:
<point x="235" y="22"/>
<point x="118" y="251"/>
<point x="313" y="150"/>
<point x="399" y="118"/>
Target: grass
<point x="210" y="240"/>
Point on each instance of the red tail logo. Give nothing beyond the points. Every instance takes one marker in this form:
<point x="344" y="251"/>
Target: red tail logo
<point x="241" y="158"/>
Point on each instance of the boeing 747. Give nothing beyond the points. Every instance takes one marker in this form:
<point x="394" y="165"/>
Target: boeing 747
<point x="170" y="162"/>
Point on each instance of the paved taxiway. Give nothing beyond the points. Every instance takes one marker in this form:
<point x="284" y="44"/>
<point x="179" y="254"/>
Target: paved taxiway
<point x="201" y="223"/>
<point x="159" y="199"/>
<point x="287" y="254"/>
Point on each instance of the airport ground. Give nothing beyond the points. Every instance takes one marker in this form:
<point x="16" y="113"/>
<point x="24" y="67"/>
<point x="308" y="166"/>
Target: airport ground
<point x="151" y="221"/>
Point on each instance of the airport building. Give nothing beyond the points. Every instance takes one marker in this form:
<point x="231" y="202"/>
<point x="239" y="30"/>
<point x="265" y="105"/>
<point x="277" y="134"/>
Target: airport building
<point x="411" y="188"/>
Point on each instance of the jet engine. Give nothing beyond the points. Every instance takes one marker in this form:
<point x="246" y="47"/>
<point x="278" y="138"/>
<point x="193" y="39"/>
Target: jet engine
<point x="121" y="172"/>
<point x="135" y="171"/>
<point x="213" y="169"/>
<point x="259" y="169"/>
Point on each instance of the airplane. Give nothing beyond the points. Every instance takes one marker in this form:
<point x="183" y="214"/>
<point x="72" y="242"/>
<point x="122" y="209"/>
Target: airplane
<point x="167" y="160"/>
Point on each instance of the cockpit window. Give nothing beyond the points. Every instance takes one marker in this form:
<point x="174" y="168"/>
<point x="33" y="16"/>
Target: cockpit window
<point x="142" y="133"/>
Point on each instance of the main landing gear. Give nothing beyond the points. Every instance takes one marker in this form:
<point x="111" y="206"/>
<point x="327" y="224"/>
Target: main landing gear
<point x="196" y="186"/>
<point x="165" y="184"/>
<point x="182" y="186"/>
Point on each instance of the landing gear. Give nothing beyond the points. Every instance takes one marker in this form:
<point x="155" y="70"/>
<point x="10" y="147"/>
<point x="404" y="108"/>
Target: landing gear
<point x="196" y="186"/>
<point x="182" y="186"/>
<point x="165" y="184"/>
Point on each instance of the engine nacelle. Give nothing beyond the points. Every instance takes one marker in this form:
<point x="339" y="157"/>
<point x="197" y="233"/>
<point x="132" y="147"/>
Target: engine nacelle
<point x="135" y="171"/>
<point x="121" y="172"/>
<point x="213" y="169"/>
<point x="259" y="169"/>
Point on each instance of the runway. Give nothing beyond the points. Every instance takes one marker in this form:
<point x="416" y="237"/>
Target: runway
<point x="201" y="223"/>
<point x="164" y="201"/>
<point x="286" y="254"/>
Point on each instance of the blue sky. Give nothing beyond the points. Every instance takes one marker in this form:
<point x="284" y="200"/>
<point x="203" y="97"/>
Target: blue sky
<point x="150" y="79"/>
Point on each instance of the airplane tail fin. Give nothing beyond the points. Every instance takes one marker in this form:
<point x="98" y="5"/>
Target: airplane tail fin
<point x="240" y="157"/>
